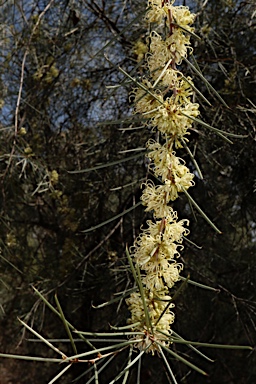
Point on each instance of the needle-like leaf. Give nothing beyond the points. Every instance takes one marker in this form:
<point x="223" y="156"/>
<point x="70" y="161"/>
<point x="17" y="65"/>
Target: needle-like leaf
<point x="54" y="310"/>
<point x="167" y="365"/>
<point x="180" y="358"/>
<point x="42" y="338"/>
<point x="114" y="347"/>
<point x="60" y="374"/>
<point x="66" y="325"/>
<point x="113" y="218"/>
<point x="105" y="165"/>
<point x="200" y="211"/>
<point x="205" y="81"/>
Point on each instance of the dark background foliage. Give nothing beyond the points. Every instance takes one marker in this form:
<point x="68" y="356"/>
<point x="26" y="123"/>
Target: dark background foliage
<point x="79" y="123"/>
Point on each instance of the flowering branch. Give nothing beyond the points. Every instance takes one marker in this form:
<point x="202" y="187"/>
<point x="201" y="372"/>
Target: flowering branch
<point x="167" y="105"/>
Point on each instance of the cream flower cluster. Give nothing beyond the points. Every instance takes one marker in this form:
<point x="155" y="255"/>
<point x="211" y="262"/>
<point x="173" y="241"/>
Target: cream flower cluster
<point x="160" y="323"/>
<point x="165" y="100"/>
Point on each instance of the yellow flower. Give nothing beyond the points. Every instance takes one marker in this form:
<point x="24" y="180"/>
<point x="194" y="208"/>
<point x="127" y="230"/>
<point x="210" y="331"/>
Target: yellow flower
<point x="167" y="228"/>
<point x="140" y="49"/>
<point x="170" y="119"/>
<point x="156" y="303"/>
<point x="159" y="52"/>
<point x="145" y="102"/>
<point x="183" y="92"/>
<point x="157" y="10"/>
<point x="161" y="273"/>
<point x="177" y="44"/>
<point x="28" y="150"/>
<point x="155" y="247"/>
<point x="22" y="131"/>
<point x="54" y="178"/>
<point x="176" y="177"/>
<point x="156" y="199"/>
<point x="175" y="231"/>
<point x="173" y="48"/>
<point x="183" y="17"/>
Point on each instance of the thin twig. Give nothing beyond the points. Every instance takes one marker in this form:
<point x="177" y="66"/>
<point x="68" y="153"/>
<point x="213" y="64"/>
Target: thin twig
<point x="17" y="108"/>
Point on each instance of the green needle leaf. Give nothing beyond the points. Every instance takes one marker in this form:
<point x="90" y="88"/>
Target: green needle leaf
<point x="192" y="158"/>
<point x="60" y="374"/>
<point x="197" y="91"/>
<point x="129" y="362"/>
<point x="110" y="334"/>
<point x="116" y="299"/>
<point x="187" y="31"/>
<point x="58" y="314"/>
<point x="97" y="351"/>
<point x="205" y="81"/>
<point x="199" y="284"/>
<point x="129" y="365"/>
<point x="209" y="345"/>
<point x="200" y="211"/>
<point x="167" y="365"/>
<point x="125" y="326"/>
<point x="67" y="328"/>
<point x="193" y="348"/>
<point x="216" y="130"/>
<point x="180" y="358"/>
<point x="31" y="358"/>
<point x="113" y="218"/>
<point x="146" y="311"/>
<point x="105" y="165"/>
<point x="42" y="338"/>
<point x="142" y="86"/>
<point x="137" y="278"/>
